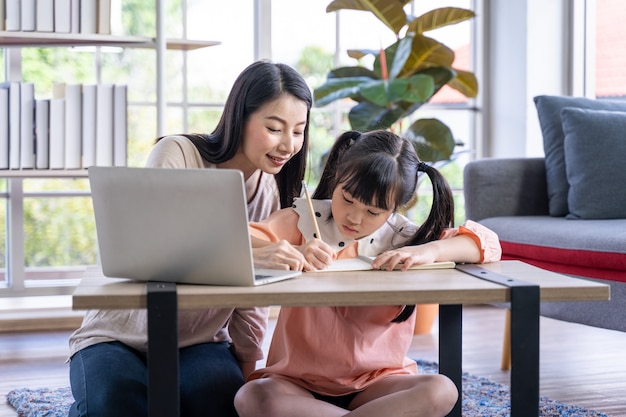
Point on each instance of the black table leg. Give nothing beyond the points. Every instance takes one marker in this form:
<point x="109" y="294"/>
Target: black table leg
<point x="524" y="351"/>
<point x="450" y="348"/>
<point x="163" y="376"/>
<point x="525" y="299"/>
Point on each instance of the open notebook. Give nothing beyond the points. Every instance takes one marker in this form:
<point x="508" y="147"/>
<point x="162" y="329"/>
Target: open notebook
<point x="364" y="263"/>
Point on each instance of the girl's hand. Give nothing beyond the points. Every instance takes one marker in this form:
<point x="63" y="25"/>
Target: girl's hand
<point x="318" y="254"/>
<point x="459" y="248"/>
<point x="280" y="255"/>
<point x="406" y="256"/>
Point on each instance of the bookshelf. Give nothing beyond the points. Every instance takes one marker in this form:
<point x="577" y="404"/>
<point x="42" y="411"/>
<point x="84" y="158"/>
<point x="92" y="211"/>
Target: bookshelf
<point x="14" y="41"/>
<point x="43" y="173"/>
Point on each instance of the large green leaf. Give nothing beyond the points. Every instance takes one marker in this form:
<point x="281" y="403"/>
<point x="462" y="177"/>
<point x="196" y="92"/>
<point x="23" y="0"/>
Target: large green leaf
<point x="397" y="55"/>
<point x="360" y="53"/>
<point x="356" y="71"/>
<point x="437" y="78"/>
<point x="438" y="18"/>
<point x="440" y="75"/>
<point x="366" y="116"/>
<point x="432" y="139"/>
<point x="376" y="92"/>
<point x="427" y="52"/>
<point x="390" y="12"/>
<point x="465" y="82"/>
<point x="337" y="88"/>
<point x="342" y="83"/>
<point x="418" y="88"/>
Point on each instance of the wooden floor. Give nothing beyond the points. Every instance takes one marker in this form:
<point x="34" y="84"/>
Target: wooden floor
<point x="580" y="365"/>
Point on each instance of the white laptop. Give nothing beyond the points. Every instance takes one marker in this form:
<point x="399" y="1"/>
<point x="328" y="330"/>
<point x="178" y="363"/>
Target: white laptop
<point x="177" y="225"/>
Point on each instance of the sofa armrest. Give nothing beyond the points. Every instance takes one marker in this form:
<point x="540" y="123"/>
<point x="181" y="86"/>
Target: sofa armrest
<point x="496" y="187"/>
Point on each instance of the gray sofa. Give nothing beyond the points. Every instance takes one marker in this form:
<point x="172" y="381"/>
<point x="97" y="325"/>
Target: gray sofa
<point x="510" y="196"/>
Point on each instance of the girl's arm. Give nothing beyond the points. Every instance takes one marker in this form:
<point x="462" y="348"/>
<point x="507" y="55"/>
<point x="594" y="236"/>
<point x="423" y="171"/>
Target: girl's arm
<point x="470" y="243"/>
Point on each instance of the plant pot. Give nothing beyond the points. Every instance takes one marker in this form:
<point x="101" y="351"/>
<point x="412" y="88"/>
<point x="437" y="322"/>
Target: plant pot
<point x="425" y="317"/>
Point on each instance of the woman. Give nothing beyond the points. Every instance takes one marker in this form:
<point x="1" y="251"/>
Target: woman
<point x="263" y="132"/>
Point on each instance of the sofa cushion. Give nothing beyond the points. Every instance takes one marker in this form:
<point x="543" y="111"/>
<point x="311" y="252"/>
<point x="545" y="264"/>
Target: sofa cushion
<point x="594" y="148"/>
<point x="549" y="113"/>
<point x="589" y="248"/>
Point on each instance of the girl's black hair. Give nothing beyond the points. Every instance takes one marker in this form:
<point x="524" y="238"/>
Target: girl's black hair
<point x="258" y="84"/>
<point x="381" y="168"/>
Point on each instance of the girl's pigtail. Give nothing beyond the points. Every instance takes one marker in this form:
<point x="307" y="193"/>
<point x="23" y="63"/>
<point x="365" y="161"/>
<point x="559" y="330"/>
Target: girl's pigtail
<point x="441" y="217"/>
<point x="441" y="214"/>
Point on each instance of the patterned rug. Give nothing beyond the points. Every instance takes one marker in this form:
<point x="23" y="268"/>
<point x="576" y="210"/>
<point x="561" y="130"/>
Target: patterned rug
<point x="481" y="398"/>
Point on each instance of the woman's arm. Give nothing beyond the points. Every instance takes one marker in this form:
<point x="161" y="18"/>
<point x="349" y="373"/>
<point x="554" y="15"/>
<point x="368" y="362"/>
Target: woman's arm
<point x="247" y="368"/>
<point x="276" y="255"/>
<point x="277" y="241"/>
<point x="247" y="328"/>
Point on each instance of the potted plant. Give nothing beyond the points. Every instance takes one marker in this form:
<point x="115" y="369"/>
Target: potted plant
<point x="405" y="75"/>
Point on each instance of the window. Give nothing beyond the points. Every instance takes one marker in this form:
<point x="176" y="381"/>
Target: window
<point x="59" y="234"/>
<point x="607" y="60"/>
<point x="318" y="41"/>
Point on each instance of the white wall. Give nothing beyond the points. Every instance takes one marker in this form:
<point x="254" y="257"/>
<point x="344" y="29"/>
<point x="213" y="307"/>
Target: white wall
<point x="527" y="54"/>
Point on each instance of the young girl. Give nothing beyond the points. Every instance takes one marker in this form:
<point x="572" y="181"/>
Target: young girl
<point x="351" y="361"/>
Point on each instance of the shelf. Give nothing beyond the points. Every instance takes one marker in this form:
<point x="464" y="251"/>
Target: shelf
<point x="188" y="44"/>
<point x="45" y="39"/>
<point x="43" y="173"/>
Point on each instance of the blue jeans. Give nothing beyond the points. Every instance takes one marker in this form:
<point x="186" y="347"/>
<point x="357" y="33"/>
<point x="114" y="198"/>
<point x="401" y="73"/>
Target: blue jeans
<point x="110" y="379"/>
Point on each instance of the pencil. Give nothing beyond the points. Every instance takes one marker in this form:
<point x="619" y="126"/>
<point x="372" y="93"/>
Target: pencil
<point x="313" y="216"/>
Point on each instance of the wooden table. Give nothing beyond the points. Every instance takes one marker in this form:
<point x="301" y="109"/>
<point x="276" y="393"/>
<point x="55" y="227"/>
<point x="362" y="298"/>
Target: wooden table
<point x="521" y="285"/>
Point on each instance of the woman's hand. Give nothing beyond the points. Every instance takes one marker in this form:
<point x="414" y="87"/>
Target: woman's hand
<point x="318" y="254"/>
<point x="279" y="255"/>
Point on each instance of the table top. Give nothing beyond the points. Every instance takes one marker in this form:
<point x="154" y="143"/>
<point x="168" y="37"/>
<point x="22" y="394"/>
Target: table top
<point x="441" y="286"/>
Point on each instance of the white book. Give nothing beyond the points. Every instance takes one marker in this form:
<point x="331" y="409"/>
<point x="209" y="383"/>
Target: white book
<point x="74" y="16"/>
<point x="88" y="16"/>
<point x="27" y="126"/>
<point x="45" y="16"/>
<point x="14" y="124"/>
<point x="364" y="263"/>
<point x="57" y="134"/>
<point x="12" y="15"/>
<point x="89" y="125"/>
<point x="104" y="17"/>
<point x="4" y="126"/>
<point x="62" y="16"/>
<point x="73" y="126"/>
<point x="104" y="124"/>
<point x="42" y="133"/>
<point x="120" y="125"/>
<point x="28" y="15"/>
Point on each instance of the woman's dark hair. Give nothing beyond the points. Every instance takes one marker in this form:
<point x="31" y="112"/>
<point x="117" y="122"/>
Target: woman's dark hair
<point x="258" y="84"/>
<point x="381" y="168"/>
